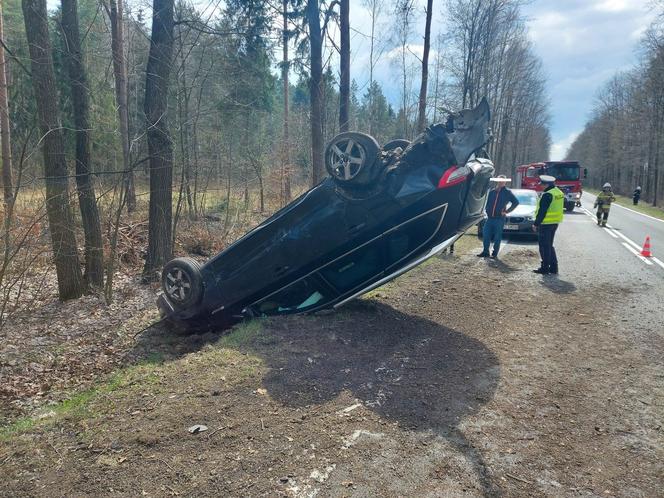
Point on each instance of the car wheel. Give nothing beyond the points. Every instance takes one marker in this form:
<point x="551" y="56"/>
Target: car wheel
<point x="350" y="158"/>
<point x="182" y="282"/>
<point x="393" y="144"/>
<point x="569" y="208"/>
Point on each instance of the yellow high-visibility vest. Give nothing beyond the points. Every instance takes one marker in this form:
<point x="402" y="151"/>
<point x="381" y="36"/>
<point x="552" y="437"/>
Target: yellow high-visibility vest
<point x="554" y="214"/>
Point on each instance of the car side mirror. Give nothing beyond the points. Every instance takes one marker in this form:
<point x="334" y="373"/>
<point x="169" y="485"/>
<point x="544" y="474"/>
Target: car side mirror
<point x="585" y="173"/>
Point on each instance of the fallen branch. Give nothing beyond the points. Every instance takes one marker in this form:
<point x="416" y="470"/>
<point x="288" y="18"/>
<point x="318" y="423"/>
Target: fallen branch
<point x="516" y="478"/>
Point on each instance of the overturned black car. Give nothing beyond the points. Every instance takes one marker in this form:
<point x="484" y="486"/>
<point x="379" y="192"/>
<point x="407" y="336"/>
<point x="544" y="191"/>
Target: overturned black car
<point x="381" y="212"/>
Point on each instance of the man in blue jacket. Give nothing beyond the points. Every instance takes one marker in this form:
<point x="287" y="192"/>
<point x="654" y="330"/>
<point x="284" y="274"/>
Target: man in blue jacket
<point x="496" y="209"/>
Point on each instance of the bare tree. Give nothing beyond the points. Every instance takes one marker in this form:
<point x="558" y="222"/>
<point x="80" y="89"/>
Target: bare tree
<point x="375" y="8"/>
<point x="94" y="246"/>
<point x="5" y="136"/>
<point x="61" y="221"/>
<point x="160" y="148"/>
<point x="285" y="68"/>
<point x="422" y="108"/>
<point x="115" y="13"/>
<point x="404" y="18"/>
<point x="315" y="89"/>
<point x="344" y="80"/>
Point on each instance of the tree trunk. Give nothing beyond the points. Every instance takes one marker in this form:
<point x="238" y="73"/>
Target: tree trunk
<point x="160" y="147"/>
<point x="315" y="90"/>
<point x="5" y="137"/>
<point x="421" y="117"/>
<point x="344" y="80"/>
<point x="121" y="91"/>
<point x="94" y="245"/>
<point x="60" y="219"/>
<point x="285" y="173"/>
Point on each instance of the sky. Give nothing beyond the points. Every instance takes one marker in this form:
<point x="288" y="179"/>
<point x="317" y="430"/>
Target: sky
<point x="582" y="43"/>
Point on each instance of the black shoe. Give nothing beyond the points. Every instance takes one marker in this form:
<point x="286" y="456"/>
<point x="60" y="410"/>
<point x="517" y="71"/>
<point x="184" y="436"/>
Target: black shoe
<point x="541" y="271"/>
<point x="483" y="255"/>
<point x="494" y="255"/>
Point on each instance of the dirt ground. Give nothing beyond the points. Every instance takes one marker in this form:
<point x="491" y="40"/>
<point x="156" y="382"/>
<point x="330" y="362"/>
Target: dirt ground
<point x="445" y="382"/>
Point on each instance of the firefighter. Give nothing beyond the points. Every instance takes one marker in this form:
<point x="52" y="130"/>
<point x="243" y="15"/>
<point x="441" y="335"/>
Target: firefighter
<point x="636" y="195"/>
<point x="603" y="204"/>
<point x="548" y="215"/>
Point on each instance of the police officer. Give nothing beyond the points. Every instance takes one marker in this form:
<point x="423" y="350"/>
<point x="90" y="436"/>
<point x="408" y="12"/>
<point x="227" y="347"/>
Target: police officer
<point x="548" y="215"/>
<point x="603" y="204"/>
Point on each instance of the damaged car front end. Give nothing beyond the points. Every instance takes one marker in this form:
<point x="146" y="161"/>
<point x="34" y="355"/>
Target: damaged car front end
<point x="381" y="212"/>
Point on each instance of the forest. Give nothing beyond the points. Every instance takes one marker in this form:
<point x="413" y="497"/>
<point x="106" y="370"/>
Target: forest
<point x="623" y="141"/>
<point x="133" y="132"/>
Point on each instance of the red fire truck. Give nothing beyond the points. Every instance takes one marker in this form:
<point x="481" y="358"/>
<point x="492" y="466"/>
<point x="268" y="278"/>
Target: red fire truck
<point x="567" y="174"/>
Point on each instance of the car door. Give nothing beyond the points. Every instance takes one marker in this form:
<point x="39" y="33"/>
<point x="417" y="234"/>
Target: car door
<point x="409" y="239"/>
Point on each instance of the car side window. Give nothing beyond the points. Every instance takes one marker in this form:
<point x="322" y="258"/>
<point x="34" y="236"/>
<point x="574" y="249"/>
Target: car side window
<point x="303" y="295"/>
<point x="406" y="239"/>
<point x="355" y="268"/>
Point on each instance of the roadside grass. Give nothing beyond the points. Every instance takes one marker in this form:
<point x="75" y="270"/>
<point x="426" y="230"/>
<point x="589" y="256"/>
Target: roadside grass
<point x="153" y="375"/>
<point x="642" y="207"/>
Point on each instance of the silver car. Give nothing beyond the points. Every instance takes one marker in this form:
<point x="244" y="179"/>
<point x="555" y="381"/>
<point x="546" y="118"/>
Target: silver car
<point x="519" y="221"/>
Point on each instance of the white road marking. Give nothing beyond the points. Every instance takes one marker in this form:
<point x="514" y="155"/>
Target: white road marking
<point x="636" y="253"/>
<point x="637" y="212"/>
<point x="629" y="244"/>
<point x="629" y="241"/>
<point x="658" y="261"/>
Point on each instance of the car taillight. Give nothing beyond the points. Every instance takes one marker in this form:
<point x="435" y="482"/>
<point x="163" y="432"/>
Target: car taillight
<point x="453" y="176"/>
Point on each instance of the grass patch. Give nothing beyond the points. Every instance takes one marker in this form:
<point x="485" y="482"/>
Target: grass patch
<point x="642" y="207"/>
<point x="243" y="334"/>
<point x="78" y="405"/>
<point x="94" y="402"/>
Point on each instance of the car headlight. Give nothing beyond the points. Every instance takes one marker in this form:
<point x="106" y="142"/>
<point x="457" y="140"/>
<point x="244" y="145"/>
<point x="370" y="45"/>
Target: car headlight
<point x="529" y="218"/>
<point x="577" y="195"/>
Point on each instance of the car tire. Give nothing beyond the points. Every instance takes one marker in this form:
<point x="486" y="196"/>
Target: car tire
<point x="569" y="207"/>
<point x="350" y="159"/>
<point x="393" y="144"/>
<point x="182" y="282"/>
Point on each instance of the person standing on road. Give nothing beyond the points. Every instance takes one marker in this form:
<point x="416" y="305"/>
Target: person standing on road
<point x="636" y="196"/>
<point x="548" y="215"/>
<point x="496" y="209"/>
<point x="603" y="204"/>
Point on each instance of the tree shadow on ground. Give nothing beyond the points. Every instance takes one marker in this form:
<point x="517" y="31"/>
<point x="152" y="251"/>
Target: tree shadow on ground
<point x="405" y="368"/>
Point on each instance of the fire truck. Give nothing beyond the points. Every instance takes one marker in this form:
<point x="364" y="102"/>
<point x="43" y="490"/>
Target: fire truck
<point x="566" y="173"/>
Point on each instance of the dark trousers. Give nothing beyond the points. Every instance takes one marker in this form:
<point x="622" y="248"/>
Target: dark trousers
<point x="602" y="213"/>
<point x="545" y="236"/>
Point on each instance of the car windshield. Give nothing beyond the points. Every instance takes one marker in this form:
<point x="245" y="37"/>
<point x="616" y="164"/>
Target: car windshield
<point x="564" y="173"/>
<point x="526" y="198"/>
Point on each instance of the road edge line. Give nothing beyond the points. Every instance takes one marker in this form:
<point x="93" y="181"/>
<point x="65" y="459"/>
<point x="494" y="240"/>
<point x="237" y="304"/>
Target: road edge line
<point x="636" y="253"/>
<point x="638" y="212"/>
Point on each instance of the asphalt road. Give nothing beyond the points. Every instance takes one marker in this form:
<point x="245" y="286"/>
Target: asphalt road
<point x="631" y="228"/>
<point x="591" y="258"/>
